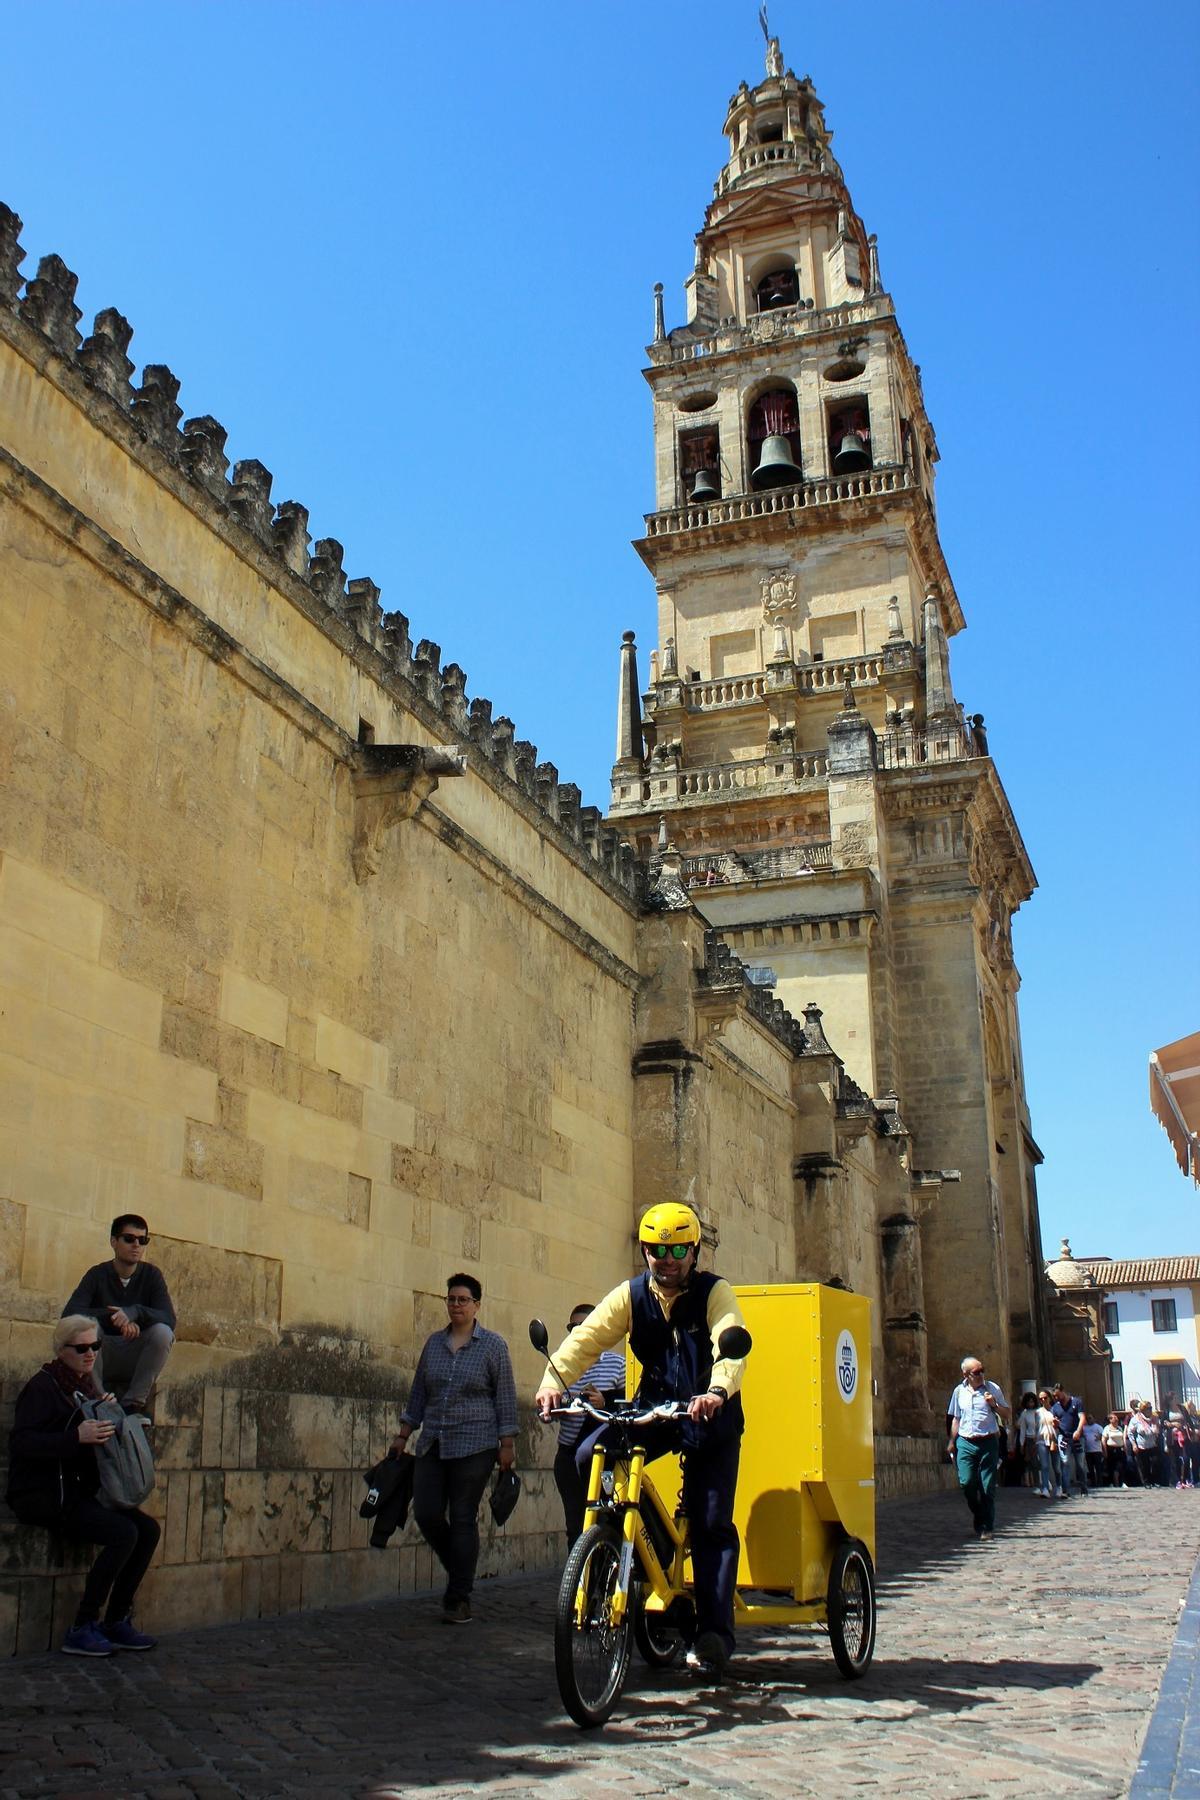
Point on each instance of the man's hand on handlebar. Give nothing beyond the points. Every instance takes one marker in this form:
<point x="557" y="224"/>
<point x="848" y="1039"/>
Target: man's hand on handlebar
<point x="705" y="1406"/>
<point x="546" y="1399"/>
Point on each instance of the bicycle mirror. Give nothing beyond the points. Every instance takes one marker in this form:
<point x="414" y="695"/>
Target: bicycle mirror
<point x="539" y="1337"/>
<point x="734" y="1342"/>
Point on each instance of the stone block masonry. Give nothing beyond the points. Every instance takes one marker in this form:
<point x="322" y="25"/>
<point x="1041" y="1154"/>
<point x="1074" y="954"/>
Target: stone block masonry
<point x="314" y="964"/>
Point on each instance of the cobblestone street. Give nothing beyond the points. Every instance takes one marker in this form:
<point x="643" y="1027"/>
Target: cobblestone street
<point x="1027" y="1665"/>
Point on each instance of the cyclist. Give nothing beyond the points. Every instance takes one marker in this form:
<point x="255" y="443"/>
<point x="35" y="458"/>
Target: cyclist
<point x="673" y="1315"/>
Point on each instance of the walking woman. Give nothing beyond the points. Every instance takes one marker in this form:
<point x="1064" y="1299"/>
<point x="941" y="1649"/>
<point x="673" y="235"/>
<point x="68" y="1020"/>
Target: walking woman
<point x="1049" y="1460"/>
<point x="1026" y="1434"/>
<point x="465" y="1402"/>
<point x="53" y="1481"/>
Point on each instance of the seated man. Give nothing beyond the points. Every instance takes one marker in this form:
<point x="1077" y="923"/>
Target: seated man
<point x="129" y="1301"/>
<point x="673" y="1317"/>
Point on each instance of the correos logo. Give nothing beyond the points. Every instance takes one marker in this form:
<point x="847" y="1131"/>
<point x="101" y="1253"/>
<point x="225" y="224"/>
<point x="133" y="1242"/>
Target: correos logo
<point x="846" y="1366"/>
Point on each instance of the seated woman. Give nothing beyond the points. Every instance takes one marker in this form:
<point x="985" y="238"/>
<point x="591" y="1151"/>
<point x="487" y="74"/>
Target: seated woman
<point x="53" y="1480"/>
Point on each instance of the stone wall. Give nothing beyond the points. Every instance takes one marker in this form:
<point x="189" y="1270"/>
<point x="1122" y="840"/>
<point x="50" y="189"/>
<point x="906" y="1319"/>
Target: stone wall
<point x="314" y="964"/>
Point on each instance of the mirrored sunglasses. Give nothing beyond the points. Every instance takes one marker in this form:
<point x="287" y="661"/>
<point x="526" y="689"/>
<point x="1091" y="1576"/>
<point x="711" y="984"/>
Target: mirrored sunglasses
<point x="661" y="1251"/>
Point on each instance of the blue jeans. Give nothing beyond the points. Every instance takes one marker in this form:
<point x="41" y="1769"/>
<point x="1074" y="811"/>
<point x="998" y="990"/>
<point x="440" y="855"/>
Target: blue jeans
<point x="1048" y="1463"/>
<point x="1074" y="1459"/>
<point x="977" y="1461"/>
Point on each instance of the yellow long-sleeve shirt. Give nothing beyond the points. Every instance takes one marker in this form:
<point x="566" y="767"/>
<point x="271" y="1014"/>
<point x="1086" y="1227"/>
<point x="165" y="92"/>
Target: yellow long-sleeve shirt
<point x="611" y="1320"/>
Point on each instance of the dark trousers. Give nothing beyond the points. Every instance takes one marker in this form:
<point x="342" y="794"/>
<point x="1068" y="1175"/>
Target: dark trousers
<point x="572" y="1490"/>
<point x="446" y="1495"/>
<point x="129" y="1539"/>
<point x="1144" y="1462"/>
<point x="709" y="1485"/>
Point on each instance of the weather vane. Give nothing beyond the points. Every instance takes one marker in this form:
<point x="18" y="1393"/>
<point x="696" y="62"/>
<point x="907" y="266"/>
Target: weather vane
<point x="774" y="54"/>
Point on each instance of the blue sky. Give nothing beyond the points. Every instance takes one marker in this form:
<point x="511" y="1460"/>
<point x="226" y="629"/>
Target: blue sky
<point x="405" y="254"/>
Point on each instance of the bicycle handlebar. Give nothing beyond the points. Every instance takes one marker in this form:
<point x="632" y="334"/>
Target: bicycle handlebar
<point x="665" y="1411"/>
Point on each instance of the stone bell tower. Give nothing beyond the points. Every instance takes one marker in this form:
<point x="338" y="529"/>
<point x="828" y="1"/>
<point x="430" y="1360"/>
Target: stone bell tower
<point x="837" y="815"/>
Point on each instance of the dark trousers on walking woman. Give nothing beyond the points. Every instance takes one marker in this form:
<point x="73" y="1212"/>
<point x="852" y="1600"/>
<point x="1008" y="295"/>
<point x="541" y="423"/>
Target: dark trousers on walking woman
<point x="446" y="1495"/>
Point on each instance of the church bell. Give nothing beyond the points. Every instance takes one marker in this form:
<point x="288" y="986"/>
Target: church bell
<point x="775" y="466"/>
<point x="853" y="456"/>
<point x="705" y="486"/>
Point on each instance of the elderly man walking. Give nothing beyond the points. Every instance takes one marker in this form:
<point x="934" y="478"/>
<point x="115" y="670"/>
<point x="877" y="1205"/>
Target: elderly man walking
<point x="974" y="1412"/>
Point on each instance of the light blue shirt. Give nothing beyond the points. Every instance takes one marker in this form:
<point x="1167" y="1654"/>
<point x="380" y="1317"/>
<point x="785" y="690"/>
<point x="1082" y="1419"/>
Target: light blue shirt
<point x="968" y="1405"/>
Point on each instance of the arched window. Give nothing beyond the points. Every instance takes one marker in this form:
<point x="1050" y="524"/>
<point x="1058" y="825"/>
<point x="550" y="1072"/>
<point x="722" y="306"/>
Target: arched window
<point x="773" y="435"/>
<point x="700" y="464"/>
<point x="850" y="437"/>
<point x="779" y="287"/>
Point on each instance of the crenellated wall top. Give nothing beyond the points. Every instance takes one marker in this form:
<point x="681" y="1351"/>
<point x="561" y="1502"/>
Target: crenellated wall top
<point x="238" y="499"/>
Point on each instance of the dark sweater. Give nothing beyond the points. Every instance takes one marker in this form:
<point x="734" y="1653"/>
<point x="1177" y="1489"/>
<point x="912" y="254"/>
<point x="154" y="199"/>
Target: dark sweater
<point x="145" y="1301"/>
<point x="49" y="1468"/>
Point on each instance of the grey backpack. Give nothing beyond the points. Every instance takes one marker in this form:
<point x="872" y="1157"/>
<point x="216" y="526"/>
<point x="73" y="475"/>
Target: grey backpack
<point x="124" y="1461"/>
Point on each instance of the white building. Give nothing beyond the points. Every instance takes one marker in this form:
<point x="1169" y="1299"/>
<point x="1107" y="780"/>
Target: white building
<point x="1152" y="1323"/>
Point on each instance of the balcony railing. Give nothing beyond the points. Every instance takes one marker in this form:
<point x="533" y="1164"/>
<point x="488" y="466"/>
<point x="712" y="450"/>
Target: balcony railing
<point x="768" y="771"/>
<point x="769" y="327"/>
<point x="728" y="868"/>
<point x="894" y="479"/>
<point x="910" y="746"/>
<point x="811" y="678"/>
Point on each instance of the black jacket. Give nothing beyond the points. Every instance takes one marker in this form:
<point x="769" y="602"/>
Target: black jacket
<point x="49" y="1469"/>
<point x="145" y="1300"/>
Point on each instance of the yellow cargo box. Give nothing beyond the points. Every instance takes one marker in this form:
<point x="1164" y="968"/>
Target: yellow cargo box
<point x="807" y="1475"/>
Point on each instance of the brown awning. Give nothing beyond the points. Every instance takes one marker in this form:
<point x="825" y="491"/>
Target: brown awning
<point x="1175" y="1099"/>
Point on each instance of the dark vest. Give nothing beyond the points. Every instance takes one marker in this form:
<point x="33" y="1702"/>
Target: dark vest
<point x="676" y="1355"/>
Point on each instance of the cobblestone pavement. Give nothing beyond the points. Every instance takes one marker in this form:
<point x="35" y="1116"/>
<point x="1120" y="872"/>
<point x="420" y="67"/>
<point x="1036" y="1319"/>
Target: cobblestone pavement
<point x="1030" y="1664"/>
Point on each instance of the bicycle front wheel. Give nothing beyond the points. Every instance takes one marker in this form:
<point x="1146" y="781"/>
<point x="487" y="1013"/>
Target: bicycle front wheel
<point x="591" y="1654"/>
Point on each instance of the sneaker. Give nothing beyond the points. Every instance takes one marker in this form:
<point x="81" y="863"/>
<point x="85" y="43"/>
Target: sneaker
<point x="456" y="1612"/>
<point x="985" y="1533"/>
<point x="123" y="1634"/>
<point x="86" y="1640"/>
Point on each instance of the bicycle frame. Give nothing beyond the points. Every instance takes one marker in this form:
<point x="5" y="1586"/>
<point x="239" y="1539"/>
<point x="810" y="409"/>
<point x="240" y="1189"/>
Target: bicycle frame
<point x="631" y="1485"/>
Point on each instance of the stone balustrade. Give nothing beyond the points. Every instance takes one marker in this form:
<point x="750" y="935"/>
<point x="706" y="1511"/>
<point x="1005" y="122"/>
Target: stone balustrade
<point x="859" y="671"/>
<point x="893" y="479"/>
<point x="757" y="157"/>
<point x="736" y="777"/>
<point x="734" y="690"/>
<point x="769" y="327"/>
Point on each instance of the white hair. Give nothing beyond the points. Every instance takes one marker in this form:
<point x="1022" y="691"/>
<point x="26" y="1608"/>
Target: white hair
<point x="962" y="1367"/>
<point x="67" y="1327"/>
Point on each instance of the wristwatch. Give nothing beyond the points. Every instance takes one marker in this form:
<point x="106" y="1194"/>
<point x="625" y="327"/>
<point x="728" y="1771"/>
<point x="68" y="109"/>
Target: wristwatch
<point x="719" y="1392"/>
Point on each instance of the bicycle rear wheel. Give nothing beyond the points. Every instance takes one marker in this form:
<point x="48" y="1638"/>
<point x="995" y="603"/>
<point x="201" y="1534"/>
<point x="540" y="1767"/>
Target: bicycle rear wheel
<point x="850" y="1610"/>
<point x="591" y="1654"/>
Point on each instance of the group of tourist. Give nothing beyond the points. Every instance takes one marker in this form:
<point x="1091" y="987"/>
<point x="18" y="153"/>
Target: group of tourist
<point x="1054" y="1447"/>
<point x="1138" y="1447"/>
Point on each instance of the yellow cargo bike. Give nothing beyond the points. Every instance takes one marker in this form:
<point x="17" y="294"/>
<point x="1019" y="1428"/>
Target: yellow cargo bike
<point x="805" y="1506"/>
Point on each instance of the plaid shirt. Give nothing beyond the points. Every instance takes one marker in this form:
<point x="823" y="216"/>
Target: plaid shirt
<point x="465" y="1401"/>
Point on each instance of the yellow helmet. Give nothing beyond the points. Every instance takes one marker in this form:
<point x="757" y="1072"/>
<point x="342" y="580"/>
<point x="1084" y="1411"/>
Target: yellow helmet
<point x="670" y="1223"/>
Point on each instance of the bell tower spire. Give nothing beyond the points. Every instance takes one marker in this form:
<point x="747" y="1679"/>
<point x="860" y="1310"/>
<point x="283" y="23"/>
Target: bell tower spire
<point x="837" y="819"/>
